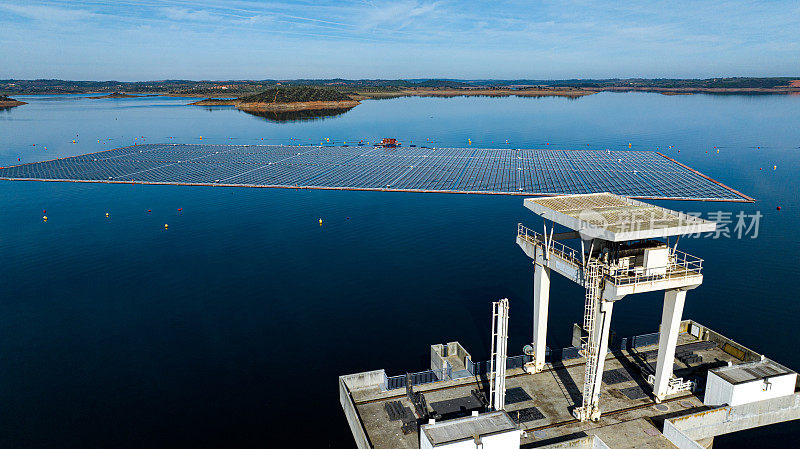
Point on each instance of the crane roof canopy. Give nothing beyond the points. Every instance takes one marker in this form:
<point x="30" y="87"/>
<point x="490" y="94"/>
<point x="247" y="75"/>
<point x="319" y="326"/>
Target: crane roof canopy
<point x="616" y="218"/>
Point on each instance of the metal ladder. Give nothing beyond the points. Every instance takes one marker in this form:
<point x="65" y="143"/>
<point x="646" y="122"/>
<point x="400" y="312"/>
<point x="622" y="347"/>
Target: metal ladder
<point x="497" y="373"/>
<point x="590" y="343"/>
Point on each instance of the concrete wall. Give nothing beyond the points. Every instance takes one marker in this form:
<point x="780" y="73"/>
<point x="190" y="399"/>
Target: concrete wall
<point x="587" y="442"/>
<point x="364" y="380"/>
<point x="678" y="438"/>
<point x="454" y="349"/>
<point x="720" y="421"/>
<point x="742" y="353"/>
<point x="437" y="361"/>
<point x="353" y="381"/>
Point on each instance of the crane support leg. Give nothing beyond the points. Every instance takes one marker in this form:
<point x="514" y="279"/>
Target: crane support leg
<point x="602" y="329"/>
<point x="668" y="340"/>
<point x="541" y="303"/>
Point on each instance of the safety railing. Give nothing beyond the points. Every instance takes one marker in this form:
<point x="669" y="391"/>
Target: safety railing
<point x="419" y="378"/>
<point x="680" y="265"/>
<point x="553" y="247"/>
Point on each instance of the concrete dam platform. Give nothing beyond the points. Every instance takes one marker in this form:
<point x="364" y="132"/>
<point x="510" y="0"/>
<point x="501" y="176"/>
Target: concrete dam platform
<point x="636" y="174"/>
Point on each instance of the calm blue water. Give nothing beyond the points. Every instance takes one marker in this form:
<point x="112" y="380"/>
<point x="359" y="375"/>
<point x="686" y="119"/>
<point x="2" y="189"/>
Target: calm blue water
<point x="231" y="327"/>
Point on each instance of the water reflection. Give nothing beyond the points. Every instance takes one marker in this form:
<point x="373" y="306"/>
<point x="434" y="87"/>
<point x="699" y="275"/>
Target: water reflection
<point x="293" y="116"/>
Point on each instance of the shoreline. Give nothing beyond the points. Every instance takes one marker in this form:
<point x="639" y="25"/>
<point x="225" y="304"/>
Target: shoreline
<point x="358" y="95"/>
<point x="11" y="104"/>
<point x="478" y="92"/>
<point x="788" y="90"/>
<point x="279" y="107"/>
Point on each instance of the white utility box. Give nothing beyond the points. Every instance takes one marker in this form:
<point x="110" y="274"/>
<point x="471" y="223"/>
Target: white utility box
<point x="748" y="382"/>
<point x="493" y="430"/>
<point x="656" y="261"/>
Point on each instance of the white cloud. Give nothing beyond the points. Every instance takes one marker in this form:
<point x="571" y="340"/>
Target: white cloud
<point x="394" y="15"/>
<point x="48" y="13"/>
<point x="185" y="14"/>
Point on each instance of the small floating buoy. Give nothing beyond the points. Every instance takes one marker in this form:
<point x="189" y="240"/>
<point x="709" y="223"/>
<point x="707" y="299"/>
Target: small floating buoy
<point x="44" y="218"/>
<point x="760" y="168"/>
<point x="106" y="214"/>
<point x="180" y="209"/>
<point x="148" y="210"/>
<point x="779" y="208"/>
<point x="774" y="167"/>
<point x="73" y="140"/>
<point x="166" y="226"/>
<point x="320" y="222"/>
<point x="44" y="212"/>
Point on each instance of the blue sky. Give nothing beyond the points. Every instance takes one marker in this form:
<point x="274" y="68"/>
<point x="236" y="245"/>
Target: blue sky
<point x="219" y="39"/>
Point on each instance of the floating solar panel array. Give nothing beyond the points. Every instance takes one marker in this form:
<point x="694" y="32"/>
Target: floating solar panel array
<point x="637" y="174"/>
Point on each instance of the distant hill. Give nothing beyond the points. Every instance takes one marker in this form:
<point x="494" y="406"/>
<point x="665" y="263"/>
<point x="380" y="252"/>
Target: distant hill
<point x="391" y="88"/>
<point x="447" y="84"/>
<point x="295" y="94"/>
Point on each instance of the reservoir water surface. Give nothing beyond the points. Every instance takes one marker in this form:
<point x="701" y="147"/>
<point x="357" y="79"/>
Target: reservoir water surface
<point x="229" y="328"/>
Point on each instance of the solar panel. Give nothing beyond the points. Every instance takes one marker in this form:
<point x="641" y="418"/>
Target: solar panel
<point x="638" y="174"/>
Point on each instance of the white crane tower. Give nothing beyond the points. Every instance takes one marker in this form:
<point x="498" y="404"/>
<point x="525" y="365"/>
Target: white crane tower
<point x="620" y="254"/>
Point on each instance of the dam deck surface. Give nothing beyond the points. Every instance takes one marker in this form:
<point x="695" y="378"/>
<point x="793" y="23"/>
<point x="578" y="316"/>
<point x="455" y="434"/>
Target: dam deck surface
<point x="637" y="174"/>
<point x="542" y="403"/>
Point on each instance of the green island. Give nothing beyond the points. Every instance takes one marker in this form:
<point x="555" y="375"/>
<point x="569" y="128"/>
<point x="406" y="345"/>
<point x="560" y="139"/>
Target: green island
<point x="118" y="95"/>
<point x="288" y="99"/>
<point x="8" y="102"/>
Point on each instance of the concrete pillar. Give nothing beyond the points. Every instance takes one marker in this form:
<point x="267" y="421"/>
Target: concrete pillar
<point x="541" y="303"/>
<point x="667" y="340"/>
<point x="602" y="327"/>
